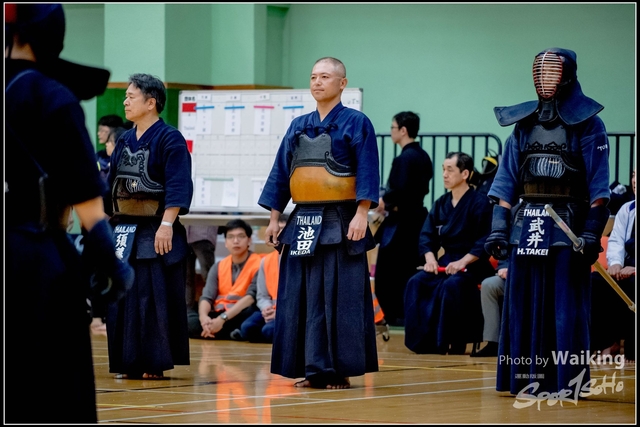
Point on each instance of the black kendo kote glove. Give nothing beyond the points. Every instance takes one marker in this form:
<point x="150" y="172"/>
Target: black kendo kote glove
<point x="595" y="223"/>
<point x="110" y="276"/>
<point x="497" y="244"/>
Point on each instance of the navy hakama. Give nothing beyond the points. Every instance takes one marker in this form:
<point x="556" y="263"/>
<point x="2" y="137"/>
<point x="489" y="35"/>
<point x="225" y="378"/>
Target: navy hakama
<point x="324" y="322"/>
<point x="548" y="326"/>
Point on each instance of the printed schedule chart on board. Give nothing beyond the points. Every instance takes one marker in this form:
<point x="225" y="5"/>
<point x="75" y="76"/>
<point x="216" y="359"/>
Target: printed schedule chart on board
<point x="233" y="137"/>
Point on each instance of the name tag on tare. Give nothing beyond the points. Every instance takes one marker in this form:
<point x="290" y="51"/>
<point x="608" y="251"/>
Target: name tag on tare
<point x="308" y="226"/>
<point x="535" y="236"/>
<point x="124" y="235"/>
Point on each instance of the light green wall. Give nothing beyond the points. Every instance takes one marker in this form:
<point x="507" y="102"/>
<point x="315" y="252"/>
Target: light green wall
<point x="87" y="48"/>
<point x="233" y="41"/>
<point x="451" y="63"/>
<point x="260" y="44"/>
<point x="135" y="40"/>
<point x="189" y="47"/>
<point x="276" y="18"/>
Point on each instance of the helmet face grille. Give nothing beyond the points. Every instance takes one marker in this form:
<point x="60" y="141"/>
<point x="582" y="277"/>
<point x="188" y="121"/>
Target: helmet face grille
<point x="547" y="74"/>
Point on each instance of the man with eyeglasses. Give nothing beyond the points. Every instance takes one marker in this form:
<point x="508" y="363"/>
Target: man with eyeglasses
<point x="229" y="294"/>
<point x="401" y="204"/>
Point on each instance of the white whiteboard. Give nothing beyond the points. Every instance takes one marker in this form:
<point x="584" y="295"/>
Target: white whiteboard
<point x="233" y="137"/>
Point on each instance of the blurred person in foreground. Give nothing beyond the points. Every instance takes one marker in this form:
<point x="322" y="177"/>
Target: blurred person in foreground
<point x="43" y="268"/>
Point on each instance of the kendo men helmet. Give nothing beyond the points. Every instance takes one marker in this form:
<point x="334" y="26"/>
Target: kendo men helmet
<point x="553" y="69"/>
<point x="42" y="26"/>
<point x="559" y="93"/>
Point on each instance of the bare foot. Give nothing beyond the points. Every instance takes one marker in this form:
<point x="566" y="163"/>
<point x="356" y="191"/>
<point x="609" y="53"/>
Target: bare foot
<point x="314" y="381"/>
<point x="152" y="376"/>
<point x="127" y="376"/>
<point x="97" y="327"/>
<point x="341" y="384"/>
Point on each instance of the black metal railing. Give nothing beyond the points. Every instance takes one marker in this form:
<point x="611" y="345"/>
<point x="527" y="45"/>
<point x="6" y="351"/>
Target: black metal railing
<point x="479" y="145"/>
<point x="437" y="145"/>
<point x="621" y="145"/>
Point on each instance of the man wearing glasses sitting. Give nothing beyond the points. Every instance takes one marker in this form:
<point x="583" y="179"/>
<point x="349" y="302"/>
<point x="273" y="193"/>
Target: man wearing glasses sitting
<point x="229" y="294"/>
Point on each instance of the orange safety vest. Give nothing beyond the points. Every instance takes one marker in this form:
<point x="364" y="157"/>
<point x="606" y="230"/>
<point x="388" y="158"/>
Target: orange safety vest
<point x="378" y="315"/>
<point x="271" y="273"/>
<point x="230" y="293"/>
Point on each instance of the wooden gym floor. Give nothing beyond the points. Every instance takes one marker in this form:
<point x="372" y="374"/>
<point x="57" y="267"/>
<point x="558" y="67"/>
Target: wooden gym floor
<point x="229" y="382"/>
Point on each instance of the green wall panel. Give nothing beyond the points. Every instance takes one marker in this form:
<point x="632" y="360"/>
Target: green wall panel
<point x="170" y="113"/>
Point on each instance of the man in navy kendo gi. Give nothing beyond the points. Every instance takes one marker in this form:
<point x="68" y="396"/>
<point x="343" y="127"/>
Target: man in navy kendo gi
<point x="328" y="165"/>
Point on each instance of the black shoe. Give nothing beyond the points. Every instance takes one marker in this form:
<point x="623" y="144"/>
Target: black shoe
<point x="458" y="348"/>
<point x="382" y="328"/>
<point x="236" y="335"/>
<point x="489" y="350"/>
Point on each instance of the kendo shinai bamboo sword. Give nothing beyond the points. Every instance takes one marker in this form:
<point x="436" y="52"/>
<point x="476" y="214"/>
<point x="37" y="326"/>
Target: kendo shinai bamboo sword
<point x="578" y="245"/>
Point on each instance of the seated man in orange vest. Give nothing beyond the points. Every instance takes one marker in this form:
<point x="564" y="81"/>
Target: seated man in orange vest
<point x="259" y="326"/>
<point x="229" y="294"/>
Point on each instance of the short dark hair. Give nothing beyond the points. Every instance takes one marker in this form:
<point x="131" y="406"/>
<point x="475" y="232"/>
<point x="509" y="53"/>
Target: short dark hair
<point x="464" y="162"/>
<point x="111" y="120"/>
<point x="238" y="223"/>
<point x="116" y="132"/>
<point x="409" y="120"/>
<point x="337" y="64"/>
<point x="151" y="87"/>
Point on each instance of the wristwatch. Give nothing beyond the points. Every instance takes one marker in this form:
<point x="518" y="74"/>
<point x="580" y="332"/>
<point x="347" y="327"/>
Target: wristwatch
<point x="224" y="317"/>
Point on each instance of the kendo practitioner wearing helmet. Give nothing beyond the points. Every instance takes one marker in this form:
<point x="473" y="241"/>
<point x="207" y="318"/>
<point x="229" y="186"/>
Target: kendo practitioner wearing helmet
<point x="557" y="154"/>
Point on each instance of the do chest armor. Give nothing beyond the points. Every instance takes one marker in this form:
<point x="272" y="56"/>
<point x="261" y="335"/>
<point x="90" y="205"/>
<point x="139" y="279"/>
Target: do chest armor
<point x="549" y="169"/>
<point x="316" y="176"/>
<point x="134" y="192"/>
